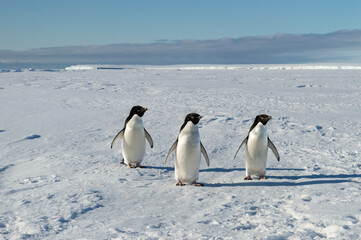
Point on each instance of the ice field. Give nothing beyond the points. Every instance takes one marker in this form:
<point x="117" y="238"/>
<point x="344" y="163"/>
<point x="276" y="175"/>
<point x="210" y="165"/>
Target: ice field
<point x="59" y="179"/>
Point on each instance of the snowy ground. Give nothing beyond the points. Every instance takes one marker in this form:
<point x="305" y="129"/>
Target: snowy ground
<point x="59" y="179"/>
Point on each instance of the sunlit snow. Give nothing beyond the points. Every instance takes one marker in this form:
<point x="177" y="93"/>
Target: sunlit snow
<point x="59" y="179"/>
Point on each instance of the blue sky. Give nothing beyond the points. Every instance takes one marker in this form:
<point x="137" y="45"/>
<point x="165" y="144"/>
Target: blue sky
<point x="27" y="25"/>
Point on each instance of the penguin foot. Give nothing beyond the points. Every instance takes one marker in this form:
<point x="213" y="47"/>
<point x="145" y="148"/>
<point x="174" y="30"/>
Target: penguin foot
<point x="197" y="184"/>
<point x="262" y="177"/>
<point x="179" y="183"/>
<point x="248" y="178"/>
<point x="131" y="166"/>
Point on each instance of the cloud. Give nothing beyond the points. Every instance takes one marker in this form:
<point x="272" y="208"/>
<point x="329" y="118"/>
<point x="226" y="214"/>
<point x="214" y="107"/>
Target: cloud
<point x="340" y="46"/>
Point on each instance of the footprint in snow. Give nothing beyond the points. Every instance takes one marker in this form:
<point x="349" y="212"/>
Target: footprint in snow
<point x="353" y="219"/>
<point x="1" y="130"/>
<point x="156" y="226"/>
<point x="245" y="226"/>
<point x="211" y="120"/>
<point x="6" y="167"/>
<point x="33" y="136"/>
<point x="40" y="180"/>
<point x="306" y="198"/>
<point x="121" y="180"/>
<point x="245" y="121"/>
<point x="217" y="118"/>
<point x="212" y="222"/>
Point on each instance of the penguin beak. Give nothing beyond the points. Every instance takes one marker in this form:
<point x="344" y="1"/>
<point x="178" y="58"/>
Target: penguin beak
<point x="269" y="117"/>
<point x="145" y="109"/>
<point x="199" y="117"/>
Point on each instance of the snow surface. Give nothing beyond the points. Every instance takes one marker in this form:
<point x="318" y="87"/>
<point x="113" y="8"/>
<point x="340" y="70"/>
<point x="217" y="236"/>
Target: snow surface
<point x="59" y="179"/>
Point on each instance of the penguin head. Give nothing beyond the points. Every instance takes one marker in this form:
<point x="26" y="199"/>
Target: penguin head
<point x="263" y="118"/>
<point x="139" y="110"/>
<point x="193" y="117"/>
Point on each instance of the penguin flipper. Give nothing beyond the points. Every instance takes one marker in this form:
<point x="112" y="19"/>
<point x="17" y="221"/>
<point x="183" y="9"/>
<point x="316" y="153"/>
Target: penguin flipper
<point x="243" y="142"/>
<point x="205" y="155"/>
<point x="149" y="138"/>
<point x="172" y="148"/>
<point x="273" y="148"/>
<point x="120" y="134"/>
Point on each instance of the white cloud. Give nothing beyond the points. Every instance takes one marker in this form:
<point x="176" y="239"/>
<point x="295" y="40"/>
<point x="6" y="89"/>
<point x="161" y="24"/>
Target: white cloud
<point x="341" y="46"/>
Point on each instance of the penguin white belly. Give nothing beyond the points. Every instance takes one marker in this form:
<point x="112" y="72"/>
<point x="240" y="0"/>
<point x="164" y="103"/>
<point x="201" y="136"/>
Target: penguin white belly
<point x="188" y="156"/>
<point x="133" y="144"/>
<point x="256" y="152"/>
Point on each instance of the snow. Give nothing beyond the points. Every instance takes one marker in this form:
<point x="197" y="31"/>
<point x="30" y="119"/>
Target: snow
<point x="80" y="67"/>
<point x="93" y="67"/>
<point x="59" y="179"/>
<point x="256" y="67"/>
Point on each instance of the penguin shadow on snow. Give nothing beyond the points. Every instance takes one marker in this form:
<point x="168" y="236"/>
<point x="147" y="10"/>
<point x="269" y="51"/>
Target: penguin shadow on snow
<point x="167" y="169"/>
<point x="318" y="176"/>
<point x="315" y="180"/>
<point x="263" y="183"/>
<point x="221" y="169"/>
<point x="243" y="169"/>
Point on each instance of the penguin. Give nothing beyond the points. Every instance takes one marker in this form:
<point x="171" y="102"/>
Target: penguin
<point x="257" y="143"/>
<point x="188" y="148"/>
<point x="134" y="135"/>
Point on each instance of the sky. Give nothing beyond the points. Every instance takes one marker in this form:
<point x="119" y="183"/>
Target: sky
<point x="44" y="31"/>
